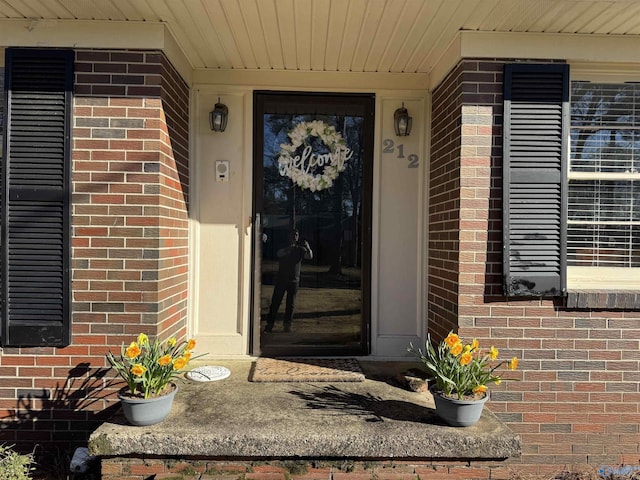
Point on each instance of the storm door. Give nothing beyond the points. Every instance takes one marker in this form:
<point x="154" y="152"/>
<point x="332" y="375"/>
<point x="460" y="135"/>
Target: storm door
<point x="312" y="205"/>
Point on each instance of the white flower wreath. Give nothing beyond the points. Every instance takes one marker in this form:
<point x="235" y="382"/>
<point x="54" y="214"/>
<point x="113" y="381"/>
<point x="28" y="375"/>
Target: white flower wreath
<point x="301" y="168"/>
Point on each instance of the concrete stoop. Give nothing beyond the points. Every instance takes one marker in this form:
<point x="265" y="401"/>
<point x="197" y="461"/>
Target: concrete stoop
<point x="215" y="425"/>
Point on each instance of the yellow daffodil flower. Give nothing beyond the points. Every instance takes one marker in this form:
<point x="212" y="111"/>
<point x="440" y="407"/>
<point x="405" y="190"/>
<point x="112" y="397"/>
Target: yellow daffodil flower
<point x="143" y="339"/>
<point x="513" y="364"/>
<point x="172" y="342"/>
<point x="164" y="360"/>
<point x="179" y="363"/>
<point x="456" y="349"/>
<point x="191" y="344"/>
<point x="493" y="353"/>
<point x="452" y="339"/>
<point x="465" y="359"/>
<point x="480" y="389"/>
<point x="138" y="370"/>
<point x="132" y="351"/>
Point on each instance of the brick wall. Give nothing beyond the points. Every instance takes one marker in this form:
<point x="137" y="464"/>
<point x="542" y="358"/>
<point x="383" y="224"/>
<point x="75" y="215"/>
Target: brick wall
<point x="130" y="234"/>
<point x="347" y="469"/>
<point x="444" y="207"/>
<point x="577" y="399"/>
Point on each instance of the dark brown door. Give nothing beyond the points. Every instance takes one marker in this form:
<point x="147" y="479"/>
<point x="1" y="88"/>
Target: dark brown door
<point x="312" y="175"/>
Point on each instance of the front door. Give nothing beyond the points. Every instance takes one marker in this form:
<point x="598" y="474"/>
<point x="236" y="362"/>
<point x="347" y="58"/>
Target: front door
<point x="312" y="205"/>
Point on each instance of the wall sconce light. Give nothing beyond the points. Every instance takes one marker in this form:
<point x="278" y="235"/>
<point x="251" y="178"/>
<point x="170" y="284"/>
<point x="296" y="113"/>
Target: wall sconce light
<point x="218" y="117"/>
<point x="402" y="122"/>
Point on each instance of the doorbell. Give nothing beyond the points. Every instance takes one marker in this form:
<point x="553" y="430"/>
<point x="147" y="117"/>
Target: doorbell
<point x="222" y="170"/>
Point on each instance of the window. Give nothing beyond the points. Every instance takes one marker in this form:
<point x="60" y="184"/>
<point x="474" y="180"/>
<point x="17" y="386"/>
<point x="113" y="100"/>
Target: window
<point x="604" y="175"/>
<point x="35" y="199"/>
<point x="571" y="184"/>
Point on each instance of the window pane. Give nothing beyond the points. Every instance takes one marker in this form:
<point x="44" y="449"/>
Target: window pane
<point x="604" y="245"/>
<point x="605" y="119"/>
<point x="594" y="105"/>
<point x="599" y="200"/>
<point x="605" y="150"/>
<point x="603" y="214"/>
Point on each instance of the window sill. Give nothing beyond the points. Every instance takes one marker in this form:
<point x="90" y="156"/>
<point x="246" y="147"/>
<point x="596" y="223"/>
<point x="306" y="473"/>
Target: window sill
<point x="603" y="299"/>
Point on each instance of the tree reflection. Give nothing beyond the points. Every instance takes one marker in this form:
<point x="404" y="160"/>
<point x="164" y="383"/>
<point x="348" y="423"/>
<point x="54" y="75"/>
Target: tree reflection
<point x="330" y="219"/>
<point x="328" y="308"/>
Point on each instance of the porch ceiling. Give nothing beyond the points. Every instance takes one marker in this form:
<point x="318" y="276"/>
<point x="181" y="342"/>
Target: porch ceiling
<point x="400" y="36"/>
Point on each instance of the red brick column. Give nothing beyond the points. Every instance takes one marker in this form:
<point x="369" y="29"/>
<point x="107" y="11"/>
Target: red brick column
<point x="577" y="401"/>
<point x="130" y="237"/>
<point x="130" y="196"/>
<point x="444" y="207"/>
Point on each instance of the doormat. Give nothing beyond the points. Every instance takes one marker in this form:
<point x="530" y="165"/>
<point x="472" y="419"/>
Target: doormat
<point x="307" y="370"/>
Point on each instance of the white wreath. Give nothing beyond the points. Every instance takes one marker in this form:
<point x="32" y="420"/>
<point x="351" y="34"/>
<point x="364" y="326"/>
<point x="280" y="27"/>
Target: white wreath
<point x="300" y="168"/>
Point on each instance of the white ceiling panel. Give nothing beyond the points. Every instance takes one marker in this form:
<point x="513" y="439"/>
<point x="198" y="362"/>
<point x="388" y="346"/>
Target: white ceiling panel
<point x="594" y="12"/>
<point x="271" y="31"/>
<point x="182" y="27"/>
<point x="319" y="32"/>
<point x="200" y="21"/>
<point x="285" y="30"/>
<point x="335" y="35"/>
<point x="302" y="22"/>
<point x="608" y="13"/>
<point x="628" y="20"/>
<point x="434" y="37"/>
<point x="127" y="8"/>
<point x="230" y="22"/>
<point x="372" y="18"/>
<point x="142" y="10"/>
<point x="255" y="33"/>
<point x="52" y="9"/>
<point x="413" y="37"/>
<point x="352" y="33"/>
<point x="333" y="43"/>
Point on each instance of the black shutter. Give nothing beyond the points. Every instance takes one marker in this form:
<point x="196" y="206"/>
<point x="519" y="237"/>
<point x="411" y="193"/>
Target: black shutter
<point x="36" y="198"/>
<point x="536" y="116"/>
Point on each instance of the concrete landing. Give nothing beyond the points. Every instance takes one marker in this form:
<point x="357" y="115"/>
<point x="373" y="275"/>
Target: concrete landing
<point x="374" y="419"/>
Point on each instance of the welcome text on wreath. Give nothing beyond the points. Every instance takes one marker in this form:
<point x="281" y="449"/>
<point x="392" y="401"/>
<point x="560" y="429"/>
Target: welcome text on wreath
<point x="308" y="169"/>
<point x="308" y="161"/>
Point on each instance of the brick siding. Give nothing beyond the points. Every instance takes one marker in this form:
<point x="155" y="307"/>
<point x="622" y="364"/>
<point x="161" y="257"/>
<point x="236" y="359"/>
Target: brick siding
<point x="298" y="469"/>
<point x="577" y="399"/>
<point x="130" y="234"/>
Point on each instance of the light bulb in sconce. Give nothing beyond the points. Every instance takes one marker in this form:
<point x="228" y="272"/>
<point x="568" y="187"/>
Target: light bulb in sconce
<point x="402" y="122"/>
<point x="218" y="117"/>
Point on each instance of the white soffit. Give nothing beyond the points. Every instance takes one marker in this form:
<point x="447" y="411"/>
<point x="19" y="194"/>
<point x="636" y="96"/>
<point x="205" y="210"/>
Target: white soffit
<point x="81" y="34"/>
<point x="362" y="36"/>
<point x="571" y="47"/>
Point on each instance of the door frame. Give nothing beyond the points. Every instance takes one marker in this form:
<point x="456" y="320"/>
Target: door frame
<point x="367" y="101"/>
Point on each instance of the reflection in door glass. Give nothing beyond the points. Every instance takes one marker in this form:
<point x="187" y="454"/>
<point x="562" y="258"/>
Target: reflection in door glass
<point x="311" y="270"/>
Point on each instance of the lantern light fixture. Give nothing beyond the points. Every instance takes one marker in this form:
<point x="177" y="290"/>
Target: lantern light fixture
<point x="402" y="122"/>
<point x="218" y="117"/>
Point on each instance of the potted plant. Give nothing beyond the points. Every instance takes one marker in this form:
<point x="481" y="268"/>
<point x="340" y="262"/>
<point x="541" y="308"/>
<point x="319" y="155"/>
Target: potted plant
<point x="461" y="375"/>
<point x="148" y="368"/>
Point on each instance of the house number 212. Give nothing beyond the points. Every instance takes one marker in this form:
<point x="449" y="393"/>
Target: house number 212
<point x="389" y="146"/>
